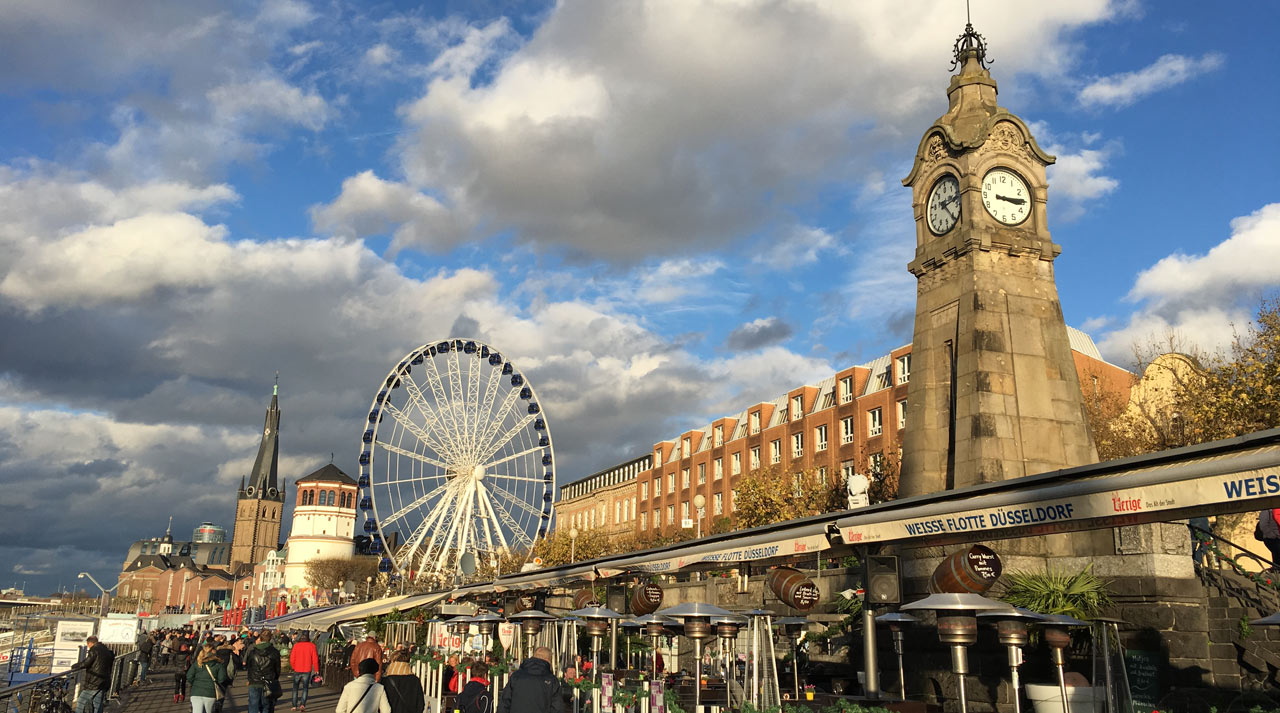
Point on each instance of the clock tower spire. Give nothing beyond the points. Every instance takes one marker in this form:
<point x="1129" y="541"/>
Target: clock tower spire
<point x="993" y="392"/>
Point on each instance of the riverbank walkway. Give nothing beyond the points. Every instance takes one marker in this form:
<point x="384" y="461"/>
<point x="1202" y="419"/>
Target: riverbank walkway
<point x="156" y="696"/>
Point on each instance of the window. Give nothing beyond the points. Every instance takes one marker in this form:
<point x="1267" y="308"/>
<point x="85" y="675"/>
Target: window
<point x="671" y="482"/>
<point x="671" y="514"/>
<point x="822" y="473"/>
<point x="687" y="448"/>
<point x="593" y="518"/>
<point x="846" y="430"/>
<point x="755" y="422"/>
<point x="876" y="463"/>
<point x="875" y="422"/>
<point x="847" y="470"/>
<point x="719" y="435"/>
<point x="904" y="368"/>
<point x="717" y="504"/>
<point x="820" y="438"/>
<point x="755" y="457"/>
<point x="702" y="473"/>
<point x="797" y="444"/>
<point x="644" y="490"/>
<point x="718" y="471"/>
<point x="776" y="456"/>
<point x="846" y="389"/>
<point x="657" y="519"/>
<point x="684" y="510"/>
<point x="644" y="521"/>
<point x="733" y="500"/>
<point x="633" y="508"/>
<point x="797" y="407"/>
<point x="684" y="478"/>
<point x="617" y="512"/>
<point x="657" y="456"/>
<point x="735" y="465"/>
<point x="902" y="413"/>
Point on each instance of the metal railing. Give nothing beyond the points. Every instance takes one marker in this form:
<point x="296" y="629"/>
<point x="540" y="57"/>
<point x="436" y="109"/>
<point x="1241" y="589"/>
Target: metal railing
<point x="1209" y="540"/>
<point x="42" y="695"/>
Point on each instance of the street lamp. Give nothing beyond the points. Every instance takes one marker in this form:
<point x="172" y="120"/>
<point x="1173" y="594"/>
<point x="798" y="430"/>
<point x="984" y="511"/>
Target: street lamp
<point x="573" y="543"/>
<point x="700" y="504"/>
<point x="368" y="588"/>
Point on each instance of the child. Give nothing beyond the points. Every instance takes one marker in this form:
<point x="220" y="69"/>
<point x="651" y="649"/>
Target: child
<point x="183" y="656"/>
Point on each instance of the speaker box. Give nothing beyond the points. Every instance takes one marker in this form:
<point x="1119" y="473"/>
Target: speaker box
<point x="882" y="579"/>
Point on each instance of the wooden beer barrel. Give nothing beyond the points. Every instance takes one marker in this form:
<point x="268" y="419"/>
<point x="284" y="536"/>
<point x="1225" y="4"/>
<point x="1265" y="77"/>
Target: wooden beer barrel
<point x="585" y="598"/>
<point x="792" y="588"/>
<point x="523" y="602"/>
<point x="972" y="570"/>
<point x="645" y="599"/>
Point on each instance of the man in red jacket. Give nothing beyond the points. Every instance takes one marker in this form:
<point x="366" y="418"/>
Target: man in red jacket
<point x="305" y="662"/>
<point x="367" y="649"/>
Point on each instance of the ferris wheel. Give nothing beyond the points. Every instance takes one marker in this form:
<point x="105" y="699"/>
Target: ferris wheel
<point x="456" y="459"/>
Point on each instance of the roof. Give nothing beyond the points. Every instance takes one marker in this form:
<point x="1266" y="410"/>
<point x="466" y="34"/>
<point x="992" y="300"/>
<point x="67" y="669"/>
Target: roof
<point x="1083" y="343"/>
<point x="330" y="473"/>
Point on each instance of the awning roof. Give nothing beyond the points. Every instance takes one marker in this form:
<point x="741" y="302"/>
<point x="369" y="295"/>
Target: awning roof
<point x="274" y="622"/>
<point x="376" y="607"/>
<point x="803" y="537"/>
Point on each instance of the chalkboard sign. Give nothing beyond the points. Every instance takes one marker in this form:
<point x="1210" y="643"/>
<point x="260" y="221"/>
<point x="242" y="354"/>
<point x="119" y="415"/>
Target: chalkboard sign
<point x="984" y="563"/>
<point x="1145" y="669"/>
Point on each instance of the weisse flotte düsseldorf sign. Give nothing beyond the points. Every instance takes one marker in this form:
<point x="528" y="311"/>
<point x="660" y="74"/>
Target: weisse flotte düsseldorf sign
<point x="1079" y="505"/>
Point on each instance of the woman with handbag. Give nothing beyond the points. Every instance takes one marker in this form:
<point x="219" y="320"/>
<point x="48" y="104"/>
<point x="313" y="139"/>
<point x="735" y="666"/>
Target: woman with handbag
<point x="305" y="662"/>
<point x="364" y="694"/>
<point x="207" y="676"/>
<point x="404" y="690"/>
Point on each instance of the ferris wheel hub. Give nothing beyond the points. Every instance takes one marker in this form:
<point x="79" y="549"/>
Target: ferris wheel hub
<point x="478" y="472"/>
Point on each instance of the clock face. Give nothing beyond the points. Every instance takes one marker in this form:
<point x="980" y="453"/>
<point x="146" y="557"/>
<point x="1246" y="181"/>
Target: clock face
<point x="1006" y="196"/>
<point x="943" y="207"/>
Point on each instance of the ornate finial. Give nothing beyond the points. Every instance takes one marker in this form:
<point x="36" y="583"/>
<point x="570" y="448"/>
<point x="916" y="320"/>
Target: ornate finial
<point x="970" y="44"/>
<point x="169" y="529"/>
<point x="275" y="390"/>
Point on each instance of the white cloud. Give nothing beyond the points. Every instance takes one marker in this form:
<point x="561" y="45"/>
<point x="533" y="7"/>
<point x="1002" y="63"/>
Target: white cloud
<point x="369" y="205"/>
<point x="1076" y="178"/>
<point x="1170" y="70"/>
<point x="268" y="99"/>
<point x="799" y="247"/>
<point x="1200" y="297"/>
<point x="379" y="55"/>
<point x="672" y="280"/>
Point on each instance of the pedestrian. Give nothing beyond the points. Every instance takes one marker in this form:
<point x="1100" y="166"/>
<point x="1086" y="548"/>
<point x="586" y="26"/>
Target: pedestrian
<point x="146" y="645"/>
<point x="367" y="649"/>
<point x="533" y="688"/>
<point x="404" y="689"/>
<point x="476" y="696"/>
<point x="568" y="687"/>
<point x="208" y="678"/>
<point x="230" y="658"/>
<point x="304" y="660"/>
<point x="364" y="694"/>
<point x="1199" y="539"/>
<point x="262" y="668"/>
<point x="447" y="673"/>
<point x="97" y="665"/>
<point x="184" y="660"/>
<point x="166" y="649"/>
<point x="1268" y="530"/>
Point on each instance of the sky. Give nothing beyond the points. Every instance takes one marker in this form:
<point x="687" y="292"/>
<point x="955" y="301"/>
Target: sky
<point x="661" y="211"/>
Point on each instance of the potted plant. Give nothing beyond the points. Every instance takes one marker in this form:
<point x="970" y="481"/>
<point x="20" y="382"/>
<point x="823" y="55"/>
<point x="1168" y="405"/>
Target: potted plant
<point x="1082" y="595"/>
<point x="808" y="691"/>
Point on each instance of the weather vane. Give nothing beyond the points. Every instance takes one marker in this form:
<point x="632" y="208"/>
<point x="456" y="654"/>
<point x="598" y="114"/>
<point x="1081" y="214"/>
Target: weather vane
<point x="969" y="43"/>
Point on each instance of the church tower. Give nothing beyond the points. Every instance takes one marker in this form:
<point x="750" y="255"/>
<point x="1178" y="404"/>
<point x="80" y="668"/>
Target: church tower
<point x="994" y="392"/>
<point x="259" y="504"/>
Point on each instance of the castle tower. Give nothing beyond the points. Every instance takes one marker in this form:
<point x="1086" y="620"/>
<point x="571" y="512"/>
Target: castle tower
<point x="324" y="522"/>
<point x="993" y="392"/>
<point x="259" y="504"/>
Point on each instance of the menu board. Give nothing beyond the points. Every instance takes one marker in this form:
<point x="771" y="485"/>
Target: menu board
<point x="1145" y="672"/>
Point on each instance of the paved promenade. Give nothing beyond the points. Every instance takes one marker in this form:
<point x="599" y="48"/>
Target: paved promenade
<point x="157" y="696"/>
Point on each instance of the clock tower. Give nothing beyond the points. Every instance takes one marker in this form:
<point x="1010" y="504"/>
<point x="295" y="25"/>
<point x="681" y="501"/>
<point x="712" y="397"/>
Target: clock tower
<point x="993" y="392"/>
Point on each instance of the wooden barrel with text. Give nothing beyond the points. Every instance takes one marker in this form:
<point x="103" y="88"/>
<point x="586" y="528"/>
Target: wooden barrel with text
<point x="585" y="598"/>
<point x="973" y="570"/>
<point x="645" y="599"/>
<point x="792" y="588"/>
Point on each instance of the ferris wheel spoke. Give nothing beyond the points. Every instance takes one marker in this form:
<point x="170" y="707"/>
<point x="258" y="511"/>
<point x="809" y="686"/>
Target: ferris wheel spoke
<point x="511" y="433"/>
<point x="438" y="516"/>
<point x="415" y="479"/>
<point x="415" y="456"/>
<point x="487" y="501"/>
<point x="455" y="387"/>
<point x="496" y="422"/>
<point x="490" y="398"/>
<point x="473" y="398"/>
<point x="434" y="415"/>
<point x="406" y="553"/>
<point x="516" y="531"/>
<point x="442" y="403"/>
<point x="516" y="500"/>
<point x="415" y="504"/>
<point x="513" y="456"/>
<point x="499" y="477"/>
<point x="418" y="431"/>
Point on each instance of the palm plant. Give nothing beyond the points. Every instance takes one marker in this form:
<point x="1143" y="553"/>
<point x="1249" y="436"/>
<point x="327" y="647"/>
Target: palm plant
<point x="1082" y="595"/>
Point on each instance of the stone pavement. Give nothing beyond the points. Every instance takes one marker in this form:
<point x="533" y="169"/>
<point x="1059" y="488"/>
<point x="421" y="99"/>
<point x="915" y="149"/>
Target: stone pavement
<point x="156" y="696"/>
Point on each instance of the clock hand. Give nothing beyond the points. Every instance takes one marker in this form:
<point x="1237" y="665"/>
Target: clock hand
<point x="1016" y="201"/>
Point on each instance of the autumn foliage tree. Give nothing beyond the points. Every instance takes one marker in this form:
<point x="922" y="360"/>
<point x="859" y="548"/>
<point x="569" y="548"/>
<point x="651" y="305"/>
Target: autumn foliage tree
<point x="1240" y="392"/>
<point x="773" y="494"/>
<point x="327" y="573"/>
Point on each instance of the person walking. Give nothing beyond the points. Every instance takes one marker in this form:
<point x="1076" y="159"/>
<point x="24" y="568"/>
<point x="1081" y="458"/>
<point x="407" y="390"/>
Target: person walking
<point x="1268" y="530"/>
<point x="262" y="667"/>
<point x="533" y="688"/>
<point x="304" y="660"/>
<point x="166" y="648"/>
<point x="367" y="649"/>
<point x="97" y="665"/>
<point x="208" y="679"/>
<point x="146" y="644"/>
<point x="404" y="690"/>
<point x="364" y="694"/>
<point x="476" y="696"/>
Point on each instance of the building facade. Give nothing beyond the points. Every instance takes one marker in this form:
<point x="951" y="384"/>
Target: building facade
<point x="324" y="522"/>
<point x="606" y="499"/>
<point x="260" y="503"/>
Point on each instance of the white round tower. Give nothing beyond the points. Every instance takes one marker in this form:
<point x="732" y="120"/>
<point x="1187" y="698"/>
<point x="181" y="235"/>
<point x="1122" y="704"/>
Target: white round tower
<point x="324" y="522"/>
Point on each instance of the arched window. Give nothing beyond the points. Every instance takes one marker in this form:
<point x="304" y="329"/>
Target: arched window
<point x="333" y="498"/>
<point x="322" y="498"/>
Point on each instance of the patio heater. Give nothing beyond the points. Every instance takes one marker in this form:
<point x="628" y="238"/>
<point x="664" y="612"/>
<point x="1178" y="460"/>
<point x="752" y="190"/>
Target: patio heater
<point x="727" y="629"/>
<point x="632" y="628"/>
<point x="958" y="627"/>
<point x="792" y="627"/>
<point x="696" y="617"/>
<point x="486" y="622"/>
<point x="758" y="638"/>
<point x="1057" y="636"/>
<point x="530" y="622"/>
<point x="596" y="620"/>
<point x="1011" y="628"/>
<point x="653" y="625"/>
<point x="898" y="623"/>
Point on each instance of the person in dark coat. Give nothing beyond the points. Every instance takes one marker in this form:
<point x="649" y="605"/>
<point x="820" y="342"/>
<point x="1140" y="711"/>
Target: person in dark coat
<point x="146" y="645"/>
<point x="262" y="667"/>
<point x="404" y="690"/>
<point x="97" y="665"/>
<point x="533" y="688"/>
<point x="476" y="696"/>
<point x="1268" y="530"/>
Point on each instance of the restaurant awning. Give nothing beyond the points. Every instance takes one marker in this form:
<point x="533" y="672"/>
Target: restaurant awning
<point x="377" y="607"/>
<point x="1237" y="475"/>
<point x="276" y="622"/>
<point x="800" y="538"/>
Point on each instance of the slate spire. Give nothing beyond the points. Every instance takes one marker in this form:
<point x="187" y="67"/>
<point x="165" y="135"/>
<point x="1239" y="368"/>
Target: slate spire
<point x="263" y="476"/>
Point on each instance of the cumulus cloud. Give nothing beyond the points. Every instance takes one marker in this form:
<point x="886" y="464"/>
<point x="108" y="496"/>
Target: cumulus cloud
<point x="799" y="247"/>
<point x="649" y="131"/>
<point x="1170" y="70"/>
<point x="1200" y="297"/>
<point x="369" y="205"/>
<point x="758" y="333"/>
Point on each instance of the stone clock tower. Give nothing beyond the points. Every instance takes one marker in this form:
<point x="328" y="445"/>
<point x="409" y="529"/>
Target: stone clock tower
<point x="993" y="392"/>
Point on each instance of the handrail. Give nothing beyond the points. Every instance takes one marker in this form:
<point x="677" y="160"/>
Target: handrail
<point x="14" y="699"/>
<point x="1207" y="537"/>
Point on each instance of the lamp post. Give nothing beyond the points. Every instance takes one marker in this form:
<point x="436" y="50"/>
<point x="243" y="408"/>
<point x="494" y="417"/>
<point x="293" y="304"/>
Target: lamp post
<point x="106" y="593"/>
<point x="897" y="622"/>
<point x="573" y="544"/>
<point x="957" y="626"/>
<point x="368" y="588"/>
<point x="700" y="504"/>
<point x="1011" y="627"/>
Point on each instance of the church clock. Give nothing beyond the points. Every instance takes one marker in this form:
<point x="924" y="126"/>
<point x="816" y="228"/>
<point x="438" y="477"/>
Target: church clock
<point x="944" y="204"/>
<point x="1005" y="196"/>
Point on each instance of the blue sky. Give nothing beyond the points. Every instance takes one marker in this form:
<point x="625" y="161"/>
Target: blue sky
<point x="663" y="211"/>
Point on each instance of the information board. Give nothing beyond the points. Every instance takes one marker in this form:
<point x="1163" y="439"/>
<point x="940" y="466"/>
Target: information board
<point x="1144" y="669"/>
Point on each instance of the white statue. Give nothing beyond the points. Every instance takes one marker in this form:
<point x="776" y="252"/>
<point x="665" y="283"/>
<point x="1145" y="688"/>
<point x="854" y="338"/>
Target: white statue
<point x="857" y="485"/>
